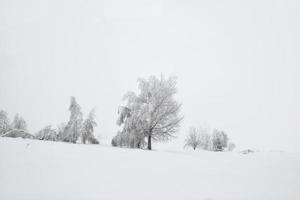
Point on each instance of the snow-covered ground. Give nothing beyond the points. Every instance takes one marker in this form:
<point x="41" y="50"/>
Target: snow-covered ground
<point x="31" y="169"/>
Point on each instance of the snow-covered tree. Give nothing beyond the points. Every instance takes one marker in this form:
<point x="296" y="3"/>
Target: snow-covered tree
<point x="193" y="138"/>
<point x="19" y="123"/>
<point x="61" y="131"/>
<point x="4" y="122"/>
<point x="73" y="128"/>
<point x="47" y="133"/>
<point x="154" y="113"/>
<point x="88" y="127"/>
<point x="219" y="140"/>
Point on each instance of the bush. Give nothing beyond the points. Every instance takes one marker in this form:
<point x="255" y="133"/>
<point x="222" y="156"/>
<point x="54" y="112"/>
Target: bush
<point x="115" y="141"/>
<point x="47" y="133"/>
<point x="93" y="140"/>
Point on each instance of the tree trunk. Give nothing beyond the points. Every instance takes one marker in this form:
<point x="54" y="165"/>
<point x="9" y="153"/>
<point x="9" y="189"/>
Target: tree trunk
<point x="149" y="142"/>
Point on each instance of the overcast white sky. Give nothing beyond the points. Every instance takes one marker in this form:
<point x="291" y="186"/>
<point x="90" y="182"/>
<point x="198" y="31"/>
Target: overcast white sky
<point x="237" y="62"/>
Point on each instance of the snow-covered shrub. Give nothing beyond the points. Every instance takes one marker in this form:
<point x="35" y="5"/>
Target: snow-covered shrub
<point x="47" y="133"/>
<point x="219" y="140"/>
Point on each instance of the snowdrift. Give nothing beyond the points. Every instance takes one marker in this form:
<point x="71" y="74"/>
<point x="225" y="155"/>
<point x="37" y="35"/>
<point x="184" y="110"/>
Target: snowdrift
<point x="18" y="134"/>
<point x="32" y="169"/>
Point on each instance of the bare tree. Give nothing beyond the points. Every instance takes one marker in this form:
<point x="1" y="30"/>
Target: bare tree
<point x="193" y="138"/>
<point x="153" y="113"/>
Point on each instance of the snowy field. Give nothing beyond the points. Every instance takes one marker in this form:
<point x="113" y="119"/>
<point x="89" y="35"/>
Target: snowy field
<point x="32" y="170"/>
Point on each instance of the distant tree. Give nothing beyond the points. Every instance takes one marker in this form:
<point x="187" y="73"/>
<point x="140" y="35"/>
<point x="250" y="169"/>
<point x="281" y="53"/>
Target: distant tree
<point x="231" y="146"/>
<point x="47" y="133"/>
<point x="219" y="140"/>
<point x="153" y="112"/>
<point x="73" y="128"/>
<point x="61" y="131"/>
<point x="193" y="139"/>
<point x="205" y="139"/>
<point x="19" y="123"/>
<point x="88" y="129"/>
<point x="4" y="122"/>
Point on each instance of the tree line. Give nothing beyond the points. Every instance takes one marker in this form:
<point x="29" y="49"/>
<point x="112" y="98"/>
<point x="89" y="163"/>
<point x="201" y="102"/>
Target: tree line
<point x="152" y="114"/>
<point x="200" y="138"/>
<point x="76" y="128"/>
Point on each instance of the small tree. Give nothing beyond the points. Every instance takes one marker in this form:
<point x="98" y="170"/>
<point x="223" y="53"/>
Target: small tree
<point x="193" y="139"/>
<point x="73" y="129"/>
<point x="88" y="129"/>
<point x="4" y="122"/>
<point x="19" y="123"/>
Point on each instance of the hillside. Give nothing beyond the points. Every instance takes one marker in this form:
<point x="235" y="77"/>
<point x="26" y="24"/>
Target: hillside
<point x="31" y="169"/>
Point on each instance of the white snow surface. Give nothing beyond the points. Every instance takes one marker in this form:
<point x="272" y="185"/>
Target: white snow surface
<point x="31" y="169"/>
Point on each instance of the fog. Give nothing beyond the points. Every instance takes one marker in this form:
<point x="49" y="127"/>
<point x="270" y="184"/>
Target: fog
<point x="237" y="62"/>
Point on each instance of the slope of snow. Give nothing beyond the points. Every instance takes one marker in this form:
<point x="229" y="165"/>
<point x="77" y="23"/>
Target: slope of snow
<point x="31" y="169"/>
